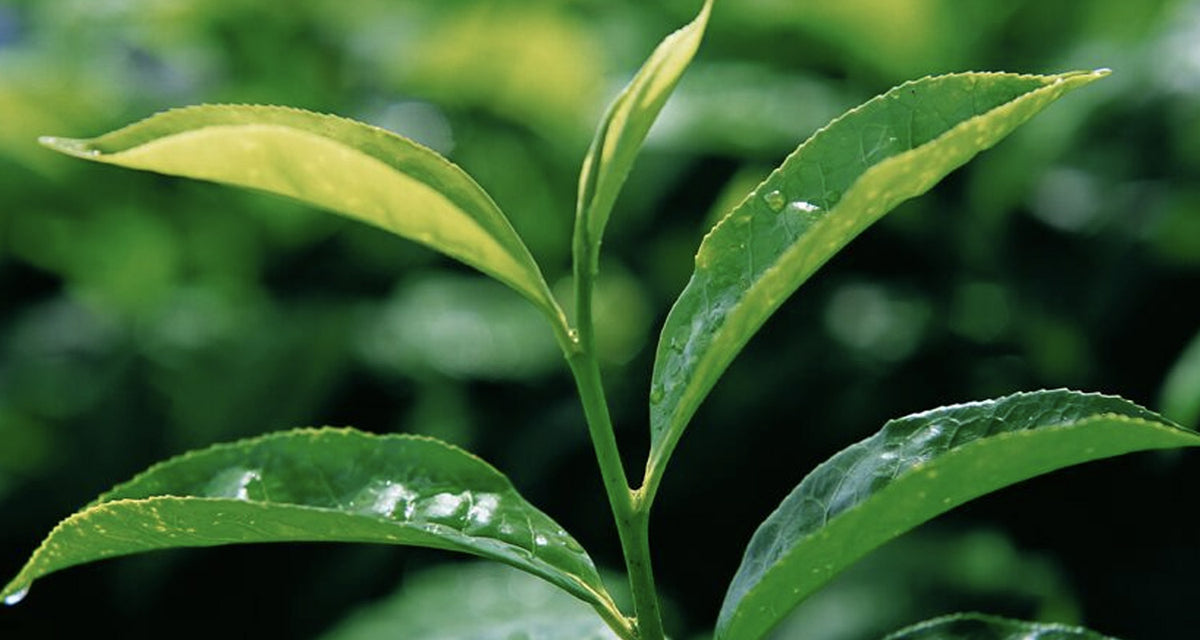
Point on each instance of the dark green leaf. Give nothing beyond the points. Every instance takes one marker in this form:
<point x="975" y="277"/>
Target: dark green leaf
<point x="973" y="626"/>
<point x="322" y="485"/>
<point x="915" y="468"/>
<point x="834" y="186"/>
<point x="351" y="168"/>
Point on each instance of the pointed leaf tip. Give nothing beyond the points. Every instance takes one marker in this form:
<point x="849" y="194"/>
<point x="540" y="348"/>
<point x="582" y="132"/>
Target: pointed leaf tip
<point x="620" y="135"/>
<point x="322" y="485"/>
<point x="16" y="594"/>
<point x="70" y="146"/>
<point x="914" y="469"/>
<point x="840" y="181"/>
<point x="347" y="167"/>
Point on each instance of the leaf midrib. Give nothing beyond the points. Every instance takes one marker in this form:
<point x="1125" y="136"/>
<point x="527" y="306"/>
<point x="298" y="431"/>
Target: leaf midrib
<point x="949" y="456"/>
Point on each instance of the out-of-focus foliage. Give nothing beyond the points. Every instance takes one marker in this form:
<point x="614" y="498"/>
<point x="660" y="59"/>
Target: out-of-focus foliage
<point x="141" y="316"/>
<point x="928" y="573"/>
<point x="1181" y="391"/>
<point x="491" y="602"/>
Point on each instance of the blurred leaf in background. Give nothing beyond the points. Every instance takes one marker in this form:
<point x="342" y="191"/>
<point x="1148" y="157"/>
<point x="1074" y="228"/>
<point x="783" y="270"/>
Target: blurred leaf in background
<point x="474" y="600"/>
<point x="927" y="574"/>
<point x="1180" y="396"/>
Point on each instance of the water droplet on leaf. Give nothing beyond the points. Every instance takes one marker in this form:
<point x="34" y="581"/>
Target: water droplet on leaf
<point x="16" y="596"/>
<point x="804" y="206"/>
<point x="775" y="200"/>
<point x="656" y="395"/>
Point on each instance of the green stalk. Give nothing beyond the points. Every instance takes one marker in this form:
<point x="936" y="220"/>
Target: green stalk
<point x="631" y="518"/>
<point x="632" y="522"/>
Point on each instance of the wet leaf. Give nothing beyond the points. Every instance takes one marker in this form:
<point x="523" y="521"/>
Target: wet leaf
<point x="835" y="185"/>
<point x="915" y="468"/>
<point x="625" y="125"/>
<point x="973" y="626"/>
<point x="350" y="168"/>
<point x="322" y="485"/>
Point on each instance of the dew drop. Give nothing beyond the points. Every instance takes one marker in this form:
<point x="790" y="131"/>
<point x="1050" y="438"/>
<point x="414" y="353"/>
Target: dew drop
<point x="69" y="145"/>
<point x="775" y="200"/>
<point x="804" y="206"/>
<point x="656" y="395"/>
<point x="541" y="541"/>
<point x="17" y="596"/>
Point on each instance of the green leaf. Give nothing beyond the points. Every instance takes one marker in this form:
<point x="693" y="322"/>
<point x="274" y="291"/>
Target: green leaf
<point x="973" y="626"/>
<point x="915" y="468"/>
<point x="1179" y="398"/>
<point x="835" y="185"/>
<point x="624" y="127"/>
<point x="489" y="601"/>
<point x="322" y="485"/>
<point x="353" y="169"/>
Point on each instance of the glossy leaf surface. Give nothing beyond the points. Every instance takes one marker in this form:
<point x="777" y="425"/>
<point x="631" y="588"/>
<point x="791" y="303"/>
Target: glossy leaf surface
<point x="322" y="485"/>
<point x="488" y="601"/>
<point x="625" y="125"/>
<point x="835" y="185"/>
<point x="973" y="626"/>
<point x="915" y="468"/>
<point x="348" y="167"/>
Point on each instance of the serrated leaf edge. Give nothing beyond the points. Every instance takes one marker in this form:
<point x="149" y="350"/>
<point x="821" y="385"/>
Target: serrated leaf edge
<point x="673" y="428"/>
<point x="965" y="448"/>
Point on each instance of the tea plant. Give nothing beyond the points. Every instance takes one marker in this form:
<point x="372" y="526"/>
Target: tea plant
<point x="345" y="485"/>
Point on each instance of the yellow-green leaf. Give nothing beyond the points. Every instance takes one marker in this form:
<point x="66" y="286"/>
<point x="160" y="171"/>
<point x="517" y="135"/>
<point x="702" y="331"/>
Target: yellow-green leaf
<point x="624" y="127"/>
<point x="348" y="167"/>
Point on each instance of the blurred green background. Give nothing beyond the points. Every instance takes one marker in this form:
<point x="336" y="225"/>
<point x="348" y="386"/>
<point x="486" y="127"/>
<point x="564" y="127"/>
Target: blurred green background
<point x="141" y="316"/>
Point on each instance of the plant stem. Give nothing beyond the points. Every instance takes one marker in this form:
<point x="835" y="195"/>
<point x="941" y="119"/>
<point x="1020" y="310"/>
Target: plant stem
<point x="636" y="544"/>
<point x="632" y="519"/>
